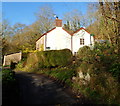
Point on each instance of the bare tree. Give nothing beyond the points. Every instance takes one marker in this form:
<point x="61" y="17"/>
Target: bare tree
<point x="18" y="28"/>
<point x="45" y="18"/>
<point x="6" y="29"/>
<point x="111" y="15"/>
<point x="73" y="19"/>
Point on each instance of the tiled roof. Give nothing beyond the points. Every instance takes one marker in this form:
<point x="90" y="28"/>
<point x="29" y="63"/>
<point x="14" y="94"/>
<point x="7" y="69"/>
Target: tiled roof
<point x="68" y="31"/>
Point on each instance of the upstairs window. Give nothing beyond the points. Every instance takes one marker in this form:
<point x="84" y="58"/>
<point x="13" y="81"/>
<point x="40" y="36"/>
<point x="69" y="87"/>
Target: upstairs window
<point x="81" y="41"/>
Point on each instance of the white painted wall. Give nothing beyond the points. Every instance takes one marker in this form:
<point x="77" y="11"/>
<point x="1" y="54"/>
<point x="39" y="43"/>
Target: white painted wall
<point x="39" y="42"/>
<point x="58" y="39"/>
<point x="76" y="40"/>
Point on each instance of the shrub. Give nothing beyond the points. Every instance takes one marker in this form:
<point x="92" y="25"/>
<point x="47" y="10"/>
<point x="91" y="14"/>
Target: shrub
<point x="82" y="52"/>
<point x="102" y="88"/>
<point x="115" y="70"/>
<point x="48" y="59"/>
<point x="8" y="76"/>
<point x="31" y="62"/>
<point x="106" y="88"/>
<point x="54" y="58"/>
<point x="20" y="66"/>
<point x="103" y="65"/>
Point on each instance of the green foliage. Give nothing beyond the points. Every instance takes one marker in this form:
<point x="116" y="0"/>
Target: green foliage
<point x="20" y="65"/>
<point x="51" y="58"/>
<point x="6" y="66"/>
<point x="103" y="65"/>
<point x="63" y="74"/>
<point x="8" y="76"/>
<point x="24" y="55"/>
<point x="86" y="54"/>
<point x="115" y="70"/>
<point x="45" y="59"/>
<point x="83" y="51"/>
<point x="102" y="88"/>
<point x="106" y="88"/>
<point x="54" y="58"/>
<point x="102" y="55"/>
<point x="31" y="63"/>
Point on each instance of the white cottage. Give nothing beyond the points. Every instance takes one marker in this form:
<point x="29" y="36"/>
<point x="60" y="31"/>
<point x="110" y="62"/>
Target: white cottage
<point x="58" y="38"/>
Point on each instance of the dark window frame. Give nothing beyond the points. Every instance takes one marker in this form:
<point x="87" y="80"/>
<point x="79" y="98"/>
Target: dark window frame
<point x="82" y="41"/>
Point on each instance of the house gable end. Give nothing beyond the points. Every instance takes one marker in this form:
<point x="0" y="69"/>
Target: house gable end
<point x="80" y="30"/>
<point x="45" y="33"/>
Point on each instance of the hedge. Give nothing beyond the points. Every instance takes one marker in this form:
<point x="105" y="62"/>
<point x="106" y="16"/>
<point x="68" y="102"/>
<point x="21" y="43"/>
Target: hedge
<point x="51" y="58"/>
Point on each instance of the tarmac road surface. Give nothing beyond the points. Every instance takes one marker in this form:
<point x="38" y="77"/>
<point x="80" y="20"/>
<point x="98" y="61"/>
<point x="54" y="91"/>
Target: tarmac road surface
<point x="40" y="89"/>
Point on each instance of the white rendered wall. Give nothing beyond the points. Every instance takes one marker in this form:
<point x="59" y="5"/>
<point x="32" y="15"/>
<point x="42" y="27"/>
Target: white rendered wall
<point x="58" y="39"/>
<point x="76" y="40"/>
<point x="39" y="42"/>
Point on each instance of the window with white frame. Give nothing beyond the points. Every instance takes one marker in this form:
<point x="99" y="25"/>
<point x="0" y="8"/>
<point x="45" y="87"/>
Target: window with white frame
<point x="82" y="41"/>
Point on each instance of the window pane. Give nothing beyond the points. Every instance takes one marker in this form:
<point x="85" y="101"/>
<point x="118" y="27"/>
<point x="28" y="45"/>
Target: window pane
<point x="81" y="41"/>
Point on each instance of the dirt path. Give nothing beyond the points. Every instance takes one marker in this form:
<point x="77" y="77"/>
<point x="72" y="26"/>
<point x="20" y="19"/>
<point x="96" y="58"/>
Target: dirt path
<point x="39" y="89"/>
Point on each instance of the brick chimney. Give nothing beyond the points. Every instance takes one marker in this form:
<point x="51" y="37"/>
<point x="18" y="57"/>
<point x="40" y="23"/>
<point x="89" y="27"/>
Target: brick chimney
<point x="58" y="22"/>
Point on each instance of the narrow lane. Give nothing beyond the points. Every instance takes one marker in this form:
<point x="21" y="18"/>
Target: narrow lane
<point x="39" y="89"/>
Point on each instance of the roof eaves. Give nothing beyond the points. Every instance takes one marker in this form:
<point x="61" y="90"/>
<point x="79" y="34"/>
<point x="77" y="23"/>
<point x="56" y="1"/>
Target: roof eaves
<point x="45" y="33"/>
<point x="81" y="29"/>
